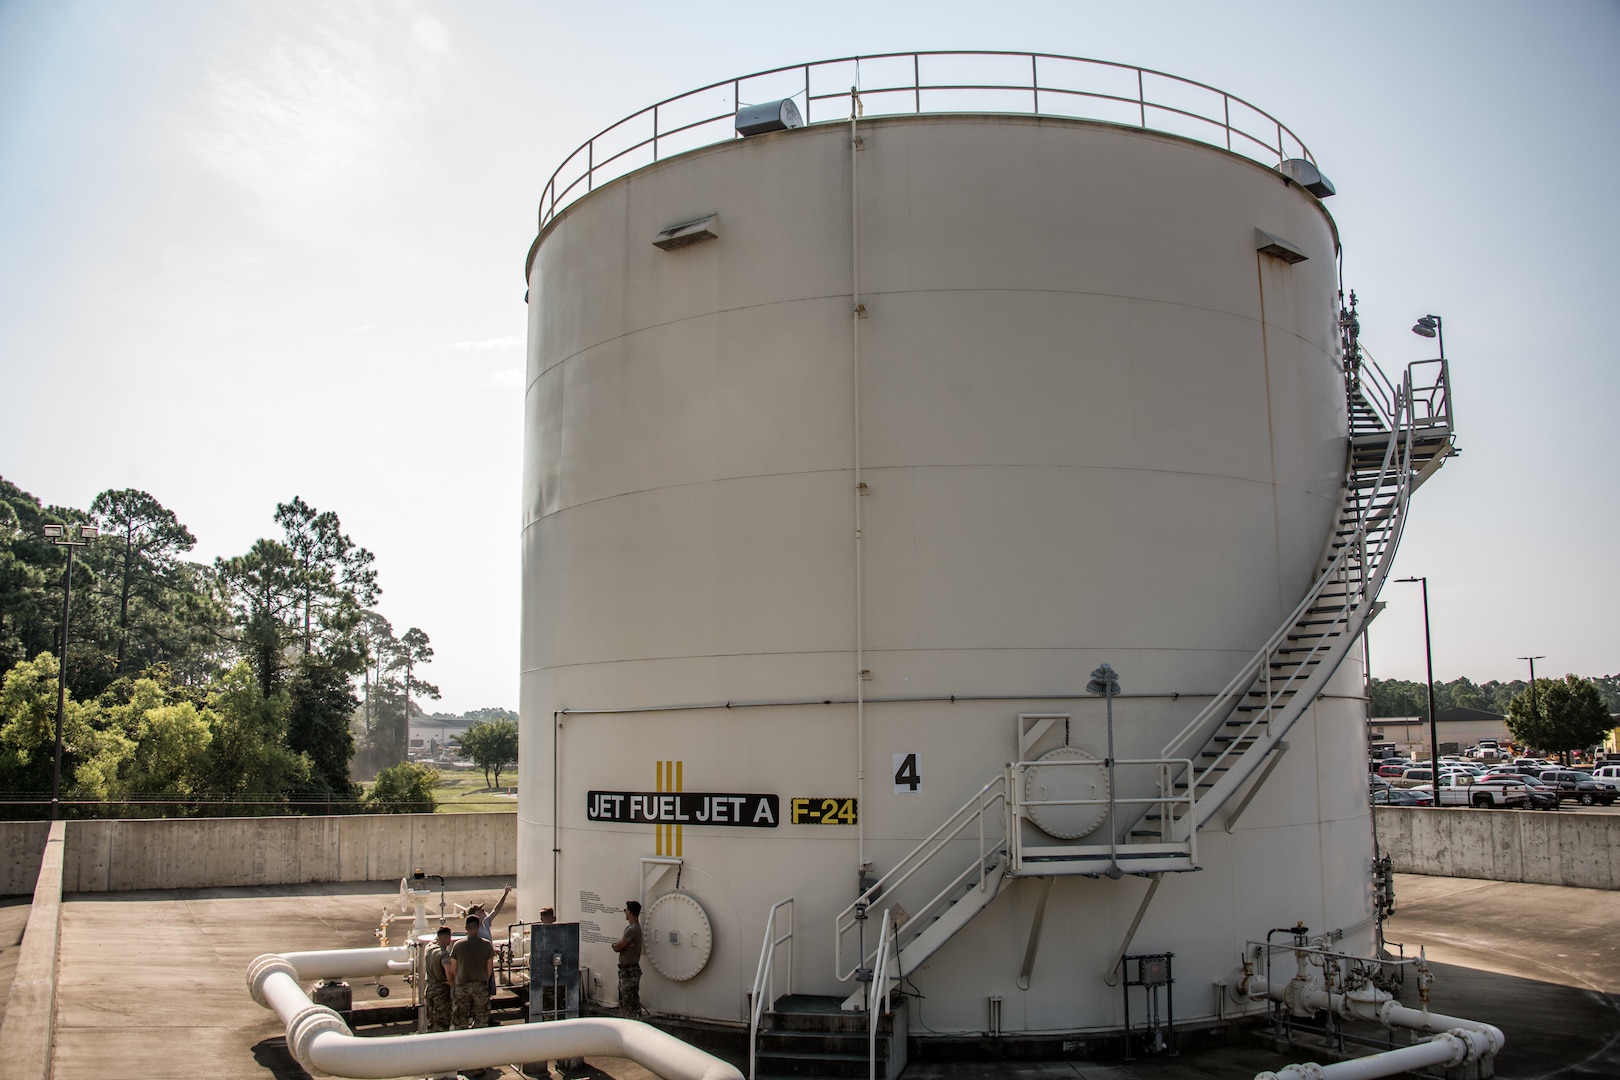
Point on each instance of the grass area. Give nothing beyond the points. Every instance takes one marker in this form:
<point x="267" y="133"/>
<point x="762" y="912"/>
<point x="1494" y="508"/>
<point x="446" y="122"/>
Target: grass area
<point x="462" y="791"/>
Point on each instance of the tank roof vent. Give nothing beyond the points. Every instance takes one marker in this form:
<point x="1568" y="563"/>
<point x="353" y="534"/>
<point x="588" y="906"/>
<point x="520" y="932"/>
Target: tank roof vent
<point x="686" y="233"/>
<point x="1277" y="248"/>
<point x="768" y="116"/>
<point x="1307" y="176"/>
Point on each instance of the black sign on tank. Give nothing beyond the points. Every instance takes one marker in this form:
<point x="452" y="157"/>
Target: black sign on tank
<point x="685" y="808"/>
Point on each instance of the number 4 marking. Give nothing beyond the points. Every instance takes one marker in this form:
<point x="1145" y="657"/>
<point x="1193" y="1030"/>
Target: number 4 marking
<point x="907" y="773"/>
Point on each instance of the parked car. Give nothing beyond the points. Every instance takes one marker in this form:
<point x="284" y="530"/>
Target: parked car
<point x="1394" y="768"/>
<point x="1581" y="787"/>
<point x="1542" y="796"/>
<point x="1607" y="772"/>
<point x="1402" y="797"/>
<point x="1461" y="789"/>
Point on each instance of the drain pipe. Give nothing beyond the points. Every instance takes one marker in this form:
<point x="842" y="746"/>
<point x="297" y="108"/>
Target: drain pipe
<point x="322" y="1042"/>
<point x="856" y="314"/>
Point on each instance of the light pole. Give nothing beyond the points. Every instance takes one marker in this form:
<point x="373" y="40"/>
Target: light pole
<point x="1534" y="725"/>
<point x="58" y="535"/>
<point x="1432" y="326"/>
<point x="1428" y="664"/>
<point x="1105" y="682"/>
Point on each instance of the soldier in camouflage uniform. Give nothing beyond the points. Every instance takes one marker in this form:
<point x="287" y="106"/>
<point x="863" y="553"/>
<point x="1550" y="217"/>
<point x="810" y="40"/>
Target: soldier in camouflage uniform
<point x="437" y="990"/>
<point x="629" y="949"/>
<point x="472" y="962"/>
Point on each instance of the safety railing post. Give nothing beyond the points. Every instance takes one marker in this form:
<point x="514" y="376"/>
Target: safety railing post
<point x="1236" y="141"/>
<point x="981" y="838"/>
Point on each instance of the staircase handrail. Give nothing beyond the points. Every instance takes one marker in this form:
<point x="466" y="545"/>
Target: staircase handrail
<point x="764" y="976"/>
<point x="879" y="984"/>
<point x="1382" y="393"/>
<point x="1431" y="402"/>
<point x="1223" y="702"/>
<point x="1400" y="465"/>
<point x="974" y="810"/>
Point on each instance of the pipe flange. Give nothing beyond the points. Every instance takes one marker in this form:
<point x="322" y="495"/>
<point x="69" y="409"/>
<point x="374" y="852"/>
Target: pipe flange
<point x="308" y="1023"/>
<point x="261" y="969"/>
<point x="1304" y="1070"/>
<point x="1458" y="1045"/>
<point x="1475" y="1044"/>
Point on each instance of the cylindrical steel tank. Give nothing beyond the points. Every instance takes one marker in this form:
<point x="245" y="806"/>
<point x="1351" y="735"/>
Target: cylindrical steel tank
<point x="1093" y="423"/>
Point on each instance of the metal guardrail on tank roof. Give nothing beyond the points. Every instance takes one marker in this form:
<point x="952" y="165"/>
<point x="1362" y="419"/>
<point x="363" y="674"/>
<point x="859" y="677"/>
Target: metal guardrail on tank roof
<point x="898" y="84"/>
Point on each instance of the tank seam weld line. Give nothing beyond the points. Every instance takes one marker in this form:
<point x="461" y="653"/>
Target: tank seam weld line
<point x="887" y="652"/>
<point x="949" y="465"/>
<point x="930" y="699"/>
<point x="1327" y="350"/>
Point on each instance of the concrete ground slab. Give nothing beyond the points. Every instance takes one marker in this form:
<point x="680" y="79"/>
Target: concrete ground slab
<point x="13" y="921"/>
<point x="153" y="984"/>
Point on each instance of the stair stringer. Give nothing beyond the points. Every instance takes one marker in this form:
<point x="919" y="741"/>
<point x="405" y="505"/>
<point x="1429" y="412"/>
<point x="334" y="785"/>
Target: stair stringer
<point x="949" y="923"/>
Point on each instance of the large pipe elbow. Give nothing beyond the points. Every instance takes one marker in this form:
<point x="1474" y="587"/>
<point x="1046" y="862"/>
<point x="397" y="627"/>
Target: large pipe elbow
<point x="322" y="1042"/>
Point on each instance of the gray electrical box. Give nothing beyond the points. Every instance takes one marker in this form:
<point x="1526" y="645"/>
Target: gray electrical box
<point x="769" y="116"/>
<point x="553" y="971"/>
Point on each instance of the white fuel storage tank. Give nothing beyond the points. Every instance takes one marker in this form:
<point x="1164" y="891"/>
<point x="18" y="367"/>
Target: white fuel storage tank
<point x="832" y="507"/>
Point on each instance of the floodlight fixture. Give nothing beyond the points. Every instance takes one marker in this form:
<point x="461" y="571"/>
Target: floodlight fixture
<point x="1104" y="681"/>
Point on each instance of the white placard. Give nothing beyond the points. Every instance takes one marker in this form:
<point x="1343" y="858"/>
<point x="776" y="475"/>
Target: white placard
<point x="907" y="773"/>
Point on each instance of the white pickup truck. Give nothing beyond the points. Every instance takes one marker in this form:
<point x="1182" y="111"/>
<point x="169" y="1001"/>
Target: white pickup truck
<point x="1461" y="789"/>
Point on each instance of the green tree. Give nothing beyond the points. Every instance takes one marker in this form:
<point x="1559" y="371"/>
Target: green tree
<point x="22" y="576"/>
<point x="1576" y="716"/>
<point x="406" y="788"/>
<point x="155" y="758"/>
<point x="333" y="576"/>
<point x="138" y="555"/>
<point x="1527" y="717"/>
<point x="492" y="745"/>
<point x="248" y="760"/>
<point x="377" y="648"/>
<point x="490" y="713"/>
<point x="412" y="652"/>
<point x="28" y="735"/>
<point x="28" y="619"/>
<point x="1609" y="687"/>
<point x="319" y="704"/>
<point x="262" y="592"/>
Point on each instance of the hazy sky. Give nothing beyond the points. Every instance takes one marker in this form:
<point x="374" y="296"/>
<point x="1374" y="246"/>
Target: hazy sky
<point x="251" y="250"/>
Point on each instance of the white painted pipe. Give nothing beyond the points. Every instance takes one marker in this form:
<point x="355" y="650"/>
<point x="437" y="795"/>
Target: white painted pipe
<point x="321" y="1041"/>
<point x="1448" y="1048"/>
<point x="1380" y="1008"/>
<point x="1457" y="1039"/>
<point x="336" y="963"/>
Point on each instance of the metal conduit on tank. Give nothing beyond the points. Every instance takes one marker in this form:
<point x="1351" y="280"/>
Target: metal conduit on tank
<point x="320" y="1040"/>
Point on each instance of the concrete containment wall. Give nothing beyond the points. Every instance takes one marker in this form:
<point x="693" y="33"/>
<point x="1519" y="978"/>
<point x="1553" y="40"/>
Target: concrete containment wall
<point x="196" y="853"/>
<point x="1540" y="848"/>
<point x="21" y="845"/>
